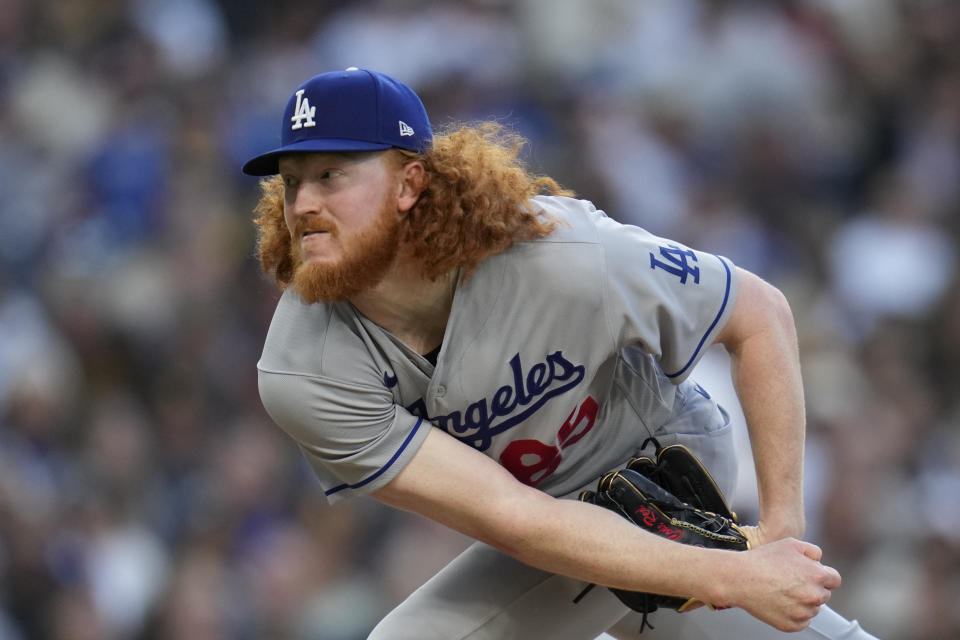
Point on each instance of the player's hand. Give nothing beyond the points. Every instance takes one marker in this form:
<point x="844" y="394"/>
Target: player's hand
<point x="769" y="530"/>
<point x="784" y="584"/>
<point x="754" y="535"/>
<point x="760" y="534"/>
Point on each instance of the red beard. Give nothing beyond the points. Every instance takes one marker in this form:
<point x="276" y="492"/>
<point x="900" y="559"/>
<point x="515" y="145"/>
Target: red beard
<point x="367" y="255"/>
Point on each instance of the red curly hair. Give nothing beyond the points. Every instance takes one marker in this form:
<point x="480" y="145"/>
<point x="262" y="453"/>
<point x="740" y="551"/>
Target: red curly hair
<point x="475" y="204"/>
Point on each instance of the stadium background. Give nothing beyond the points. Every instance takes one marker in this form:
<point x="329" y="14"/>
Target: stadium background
<point x="144" y="494"/>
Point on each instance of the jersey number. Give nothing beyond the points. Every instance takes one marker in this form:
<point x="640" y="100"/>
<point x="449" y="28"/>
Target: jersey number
<point x="530" y="461"/>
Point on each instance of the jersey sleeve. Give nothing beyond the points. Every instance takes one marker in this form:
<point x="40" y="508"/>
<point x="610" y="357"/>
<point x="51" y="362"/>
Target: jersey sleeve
<point x="665" y="296"/>
<point x="356" y="439"/>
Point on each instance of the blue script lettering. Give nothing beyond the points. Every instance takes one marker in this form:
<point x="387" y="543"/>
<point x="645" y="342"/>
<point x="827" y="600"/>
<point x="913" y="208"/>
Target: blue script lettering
<point x="529" y="391"/>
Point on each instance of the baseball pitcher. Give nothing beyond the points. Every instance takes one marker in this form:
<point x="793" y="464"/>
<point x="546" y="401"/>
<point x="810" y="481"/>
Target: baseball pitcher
<point x="463" y="340"/>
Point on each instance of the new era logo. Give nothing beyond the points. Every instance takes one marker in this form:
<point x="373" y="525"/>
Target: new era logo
<point x="303" y="113"/>
<point x="405" y="129"/>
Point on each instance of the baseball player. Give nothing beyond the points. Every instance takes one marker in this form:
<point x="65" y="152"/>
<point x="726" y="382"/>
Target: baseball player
<point x="452" y="342"/>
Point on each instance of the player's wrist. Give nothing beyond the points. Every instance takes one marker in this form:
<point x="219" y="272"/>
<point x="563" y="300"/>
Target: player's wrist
<point x="778" y="524"/>
<point x="728" y="565"/>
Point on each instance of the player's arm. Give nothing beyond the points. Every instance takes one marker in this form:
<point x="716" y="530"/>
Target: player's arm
<point x="762" y="342"/>
<point x="782" y="584"/>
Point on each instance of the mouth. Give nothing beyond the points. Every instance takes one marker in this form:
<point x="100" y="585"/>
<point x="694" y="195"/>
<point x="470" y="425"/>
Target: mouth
<point x="313" y="233"/>
<point x="314" y="243"/>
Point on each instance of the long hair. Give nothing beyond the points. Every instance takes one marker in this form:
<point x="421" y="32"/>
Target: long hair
<point x="475" y="204"/>
<point x="273" y="237"/>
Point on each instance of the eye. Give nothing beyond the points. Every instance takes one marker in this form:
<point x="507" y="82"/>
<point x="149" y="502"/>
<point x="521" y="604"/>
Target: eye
<point x="330" y="173"/>
<point x="290" y="182"/>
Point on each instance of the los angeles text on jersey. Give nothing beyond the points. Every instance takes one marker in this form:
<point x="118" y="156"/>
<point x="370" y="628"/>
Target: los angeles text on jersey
<point x="512" y="403"/>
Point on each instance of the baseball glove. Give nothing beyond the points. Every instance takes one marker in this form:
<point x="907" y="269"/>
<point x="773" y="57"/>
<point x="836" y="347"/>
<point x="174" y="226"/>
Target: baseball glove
<point x="675" y="497"/>
<point x="680" y="472"/>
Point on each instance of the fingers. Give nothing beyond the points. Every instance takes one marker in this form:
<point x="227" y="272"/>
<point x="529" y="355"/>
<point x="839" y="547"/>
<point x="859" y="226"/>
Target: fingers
<point x="752" y="533"/>
<point x="818" y="582"/>
<point x="831" y="577"/>
<point x="812" y="551"/>
<point x="809" y="607"/>
<point x="801" y="615"/>
<point x="797" y="584"/>
<point x="833" y="580"/>
<point x="797" y="622"/>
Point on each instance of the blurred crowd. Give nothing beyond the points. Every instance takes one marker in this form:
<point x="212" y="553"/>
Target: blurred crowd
<point x="145" y="494"/>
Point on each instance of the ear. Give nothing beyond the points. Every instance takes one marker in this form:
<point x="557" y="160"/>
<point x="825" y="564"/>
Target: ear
<point x="413" y="177"/>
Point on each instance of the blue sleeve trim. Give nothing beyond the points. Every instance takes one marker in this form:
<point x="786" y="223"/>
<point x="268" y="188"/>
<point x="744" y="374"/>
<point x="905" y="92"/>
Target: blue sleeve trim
<point x="723" y="307"/>
<point x="376" y="475"/>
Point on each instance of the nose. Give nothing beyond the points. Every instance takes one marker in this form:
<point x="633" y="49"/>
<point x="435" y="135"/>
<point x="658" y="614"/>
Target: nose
<point x="301" y="204"/>
<point x="304" y="200"/>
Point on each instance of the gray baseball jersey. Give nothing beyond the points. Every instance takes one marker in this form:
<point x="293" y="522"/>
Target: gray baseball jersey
<point x="560" y="357"/>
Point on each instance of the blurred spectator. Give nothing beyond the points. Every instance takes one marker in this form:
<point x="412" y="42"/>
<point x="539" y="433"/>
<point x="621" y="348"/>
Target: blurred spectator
<point x="891" y="260"/>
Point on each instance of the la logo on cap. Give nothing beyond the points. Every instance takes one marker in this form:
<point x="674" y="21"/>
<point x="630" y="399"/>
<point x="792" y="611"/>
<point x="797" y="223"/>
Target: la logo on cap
<point x="341" y="112"/>
<point x="303" y="113"/>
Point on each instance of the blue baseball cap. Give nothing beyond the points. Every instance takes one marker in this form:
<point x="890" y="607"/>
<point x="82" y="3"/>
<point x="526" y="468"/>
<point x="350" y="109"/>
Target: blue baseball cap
<point x="350" y="110"/>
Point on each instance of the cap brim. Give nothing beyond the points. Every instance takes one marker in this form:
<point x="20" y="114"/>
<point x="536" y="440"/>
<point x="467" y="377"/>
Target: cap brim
<point x="266" y="163"/>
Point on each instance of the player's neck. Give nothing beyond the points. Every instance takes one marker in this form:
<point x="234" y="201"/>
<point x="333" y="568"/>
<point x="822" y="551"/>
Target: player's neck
<point x="412" y="308"/>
